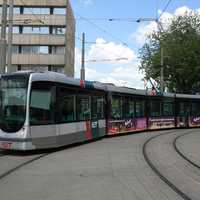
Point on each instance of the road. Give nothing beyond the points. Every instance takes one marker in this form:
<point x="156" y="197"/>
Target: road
<point x="108" y="169"/>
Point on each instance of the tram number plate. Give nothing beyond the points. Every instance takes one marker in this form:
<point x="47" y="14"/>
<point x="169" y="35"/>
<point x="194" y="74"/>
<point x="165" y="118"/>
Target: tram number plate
<point x="6" y="145"/>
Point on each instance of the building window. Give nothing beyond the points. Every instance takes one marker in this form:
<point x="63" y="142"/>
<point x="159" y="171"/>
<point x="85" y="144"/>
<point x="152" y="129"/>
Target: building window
<point x="58" y="30"/>
<point x="59" y="11"/>
<point x="37" y="68"/>
<point x="16" y="10"/>
<point x="59" y="69"/>
<point x="19" y="68"/>
<point x="43" y="50"/>
<point x="58" y="50"/>
<point x="37" y="11"/>
<point x="15" y="29"/>
<point x="35" y="30"/>
<point x="35" y="49"/>
<point x="15" y="49"/>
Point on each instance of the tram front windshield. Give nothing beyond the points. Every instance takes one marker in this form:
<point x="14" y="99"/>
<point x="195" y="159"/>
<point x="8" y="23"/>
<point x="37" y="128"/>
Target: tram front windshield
<point x="13" y="95"/>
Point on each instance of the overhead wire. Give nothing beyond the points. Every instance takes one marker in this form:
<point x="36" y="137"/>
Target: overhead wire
<point x="102" y="29"/>
<point x="107" y="60"/>
<point x="118" y="56"/>
<point x="90" y="42"/>
<point x="165" y="8"/>
<point x="101" y="60"/>
<point x="110" y="19"/>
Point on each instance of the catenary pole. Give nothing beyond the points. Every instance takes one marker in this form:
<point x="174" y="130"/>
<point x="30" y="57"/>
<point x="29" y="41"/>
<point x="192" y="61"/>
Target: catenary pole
<point x="10" y="37"/>
<point x="3" y="38"/>
<point x="83" y="58"/>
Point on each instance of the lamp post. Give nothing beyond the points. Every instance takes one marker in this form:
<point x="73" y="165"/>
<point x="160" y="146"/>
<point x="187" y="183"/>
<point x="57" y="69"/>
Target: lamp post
<point x="160" y="27"/>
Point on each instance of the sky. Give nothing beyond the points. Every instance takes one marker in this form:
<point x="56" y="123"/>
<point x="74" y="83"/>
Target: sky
<point x="112" y="46"/>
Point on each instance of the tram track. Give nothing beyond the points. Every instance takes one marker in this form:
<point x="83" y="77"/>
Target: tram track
<point x="180" y="192"/>
<point x="157" y="171"/>
<point x="17" y="167"/>
<point x="42" y="154"/>
<point x="181" y="153"/>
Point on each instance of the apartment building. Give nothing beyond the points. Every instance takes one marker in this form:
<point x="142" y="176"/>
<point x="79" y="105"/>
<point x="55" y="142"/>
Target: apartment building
<point x="43" y="36"/>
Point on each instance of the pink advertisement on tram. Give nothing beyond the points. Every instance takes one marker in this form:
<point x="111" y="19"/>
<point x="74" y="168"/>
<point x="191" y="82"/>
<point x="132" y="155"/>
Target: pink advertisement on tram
<point x="141" y="124"/>
<point x="161" y="123"/>
<point x="124" y="126"/>
<point x="194" y="121"/>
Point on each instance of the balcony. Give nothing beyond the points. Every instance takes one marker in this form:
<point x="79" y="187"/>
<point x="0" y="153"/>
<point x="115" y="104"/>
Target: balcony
<point x="39" y="20"/>
<point x="40" y="3"/>
<point x="40" y="59"/>
<point x="36" y="39"/>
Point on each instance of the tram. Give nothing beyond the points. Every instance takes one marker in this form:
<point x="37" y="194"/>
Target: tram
<point x="49" y="110"/>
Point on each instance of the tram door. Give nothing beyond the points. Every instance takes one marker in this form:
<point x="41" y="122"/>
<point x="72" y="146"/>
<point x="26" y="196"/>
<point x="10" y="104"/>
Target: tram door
<point x="97" y="107"/>
<point x="183" y="115"/>
<point x="42" y="115"/>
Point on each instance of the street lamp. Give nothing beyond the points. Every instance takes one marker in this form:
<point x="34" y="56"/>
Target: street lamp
<point x="160" y="27"/>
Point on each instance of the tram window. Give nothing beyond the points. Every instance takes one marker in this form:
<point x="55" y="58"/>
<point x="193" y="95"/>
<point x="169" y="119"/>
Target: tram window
<point x="97" y="107"/>
<point x="83" y="108"/>
<point x="66" y="105"/>
<point x="155" y="108"/>
<point x="41" y="104"/>
<point x="139" y="108"/>
<point x="195" y="109"/>
<point x="129" y="108"/>
<point x="116" y="107"/>
<point x="13" y="102"/>
<point x="184" y="108"/>
<point x="168" y="109"/>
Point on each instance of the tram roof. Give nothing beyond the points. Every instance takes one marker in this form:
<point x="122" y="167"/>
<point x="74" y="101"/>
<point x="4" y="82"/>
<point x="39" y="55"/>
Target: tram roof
<point x="126" y="90"/>
<point x="188" y="96"/>
<point x="62" y="78"/>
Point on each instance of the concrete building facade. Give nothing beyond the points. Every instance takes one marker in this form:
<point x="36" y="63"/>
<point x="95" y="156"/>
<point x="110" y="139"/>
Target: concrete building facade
<point x="43" y="36"/>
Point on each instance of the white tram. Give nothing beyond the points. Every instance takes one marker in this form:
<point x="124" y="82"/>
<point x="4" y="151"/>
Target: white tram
<point x="46" y="110"/>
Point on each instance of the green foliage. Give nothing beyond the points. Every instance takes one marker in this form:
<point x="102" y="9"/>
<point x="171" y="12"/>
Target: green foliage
<point x="181" y="46"/>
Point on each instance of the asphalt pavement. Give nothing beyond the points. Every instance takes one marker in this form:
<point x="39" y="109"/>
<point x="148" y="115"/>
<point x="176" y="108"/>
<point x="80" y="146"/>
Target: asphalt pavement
<point x="108" y="169"/>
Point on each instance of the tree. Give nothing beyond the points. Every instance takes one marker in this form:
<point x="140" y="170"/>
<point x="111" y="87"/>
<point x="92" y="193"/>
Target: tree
<point x="181" y="44"/>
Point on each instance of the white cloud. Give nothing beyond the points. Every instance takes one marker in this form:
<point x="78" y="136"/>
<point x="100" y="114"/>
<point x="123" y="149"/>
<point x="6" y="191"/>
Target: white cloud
<point x="127" y="75"/>
<point x="182" y="11"/>
<point x="110" y="52"/>
<point x="121" y="76"/>
<point x="140" y="35"/>
<point x="121" y="73"/>
<point x="77" y="62"/>
<point x="77" y="56"/>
